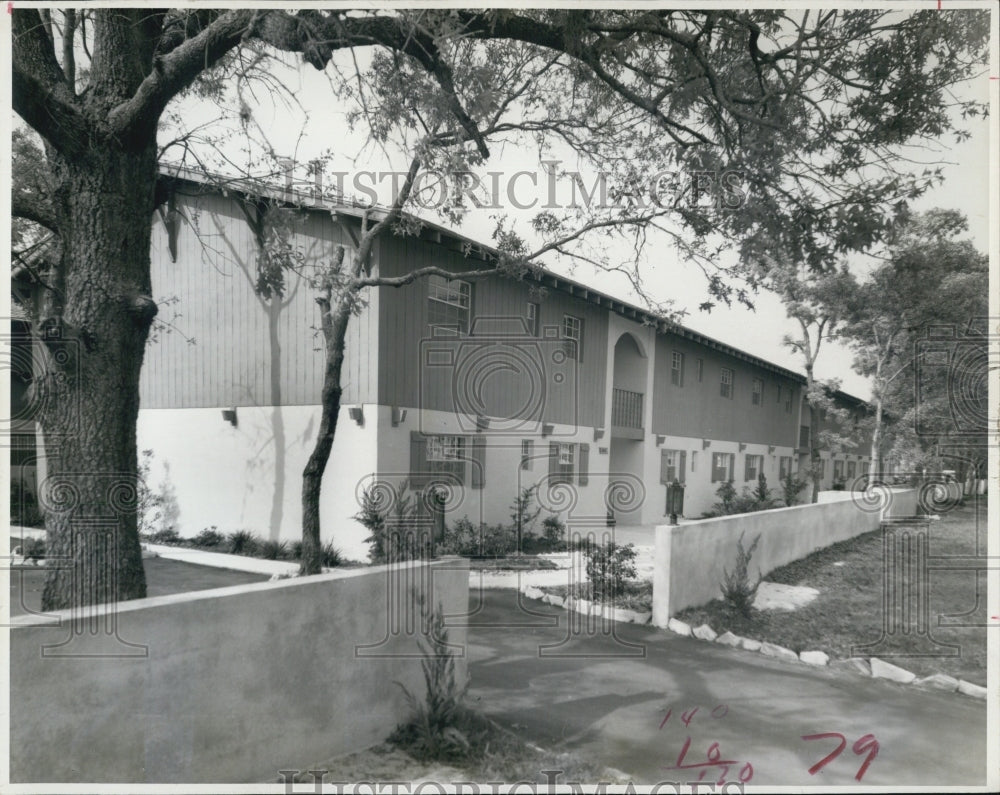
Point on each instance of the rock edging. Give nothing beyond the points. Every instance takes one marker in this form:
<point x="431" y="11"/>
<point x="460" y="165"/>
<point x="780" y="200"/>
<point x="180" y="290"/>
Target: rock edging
<point x="873" y="667"/>
<point x="588" y="608"/>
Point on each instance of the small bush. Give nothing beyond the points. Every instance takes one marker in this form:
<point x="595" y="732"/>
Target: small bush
<point x="608" y="567"/>
<point x="330" y="556"/>
<point x="554" y="533"/>
<point x="726" y="494"/>
<point x="432" y="732"/>
<point x="243" y="542"/>
<point x="168" y="535"/>
<point x="296" y="551"/>
<point x="737" y="590"/>
<point x="33" y="548"/>
<point x="273" y="550"/>
<point x="209" y="537"/>
<point x="790" y="487"/>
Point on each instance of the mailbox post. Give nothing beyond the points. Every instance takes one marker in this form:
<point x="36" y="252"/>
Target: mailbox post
<point x="675" y="500"/>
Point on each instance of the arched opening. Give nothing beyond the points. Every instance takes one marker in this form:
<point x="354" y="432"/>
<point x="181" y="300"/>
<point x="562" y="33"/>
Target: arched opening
<point x="628" y="396"/>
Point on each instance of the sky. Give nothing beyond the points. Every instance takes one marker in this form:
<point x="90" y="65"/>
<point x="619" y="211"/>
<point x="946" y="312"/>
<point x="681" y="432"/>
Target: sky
<point x="320" y="126"/>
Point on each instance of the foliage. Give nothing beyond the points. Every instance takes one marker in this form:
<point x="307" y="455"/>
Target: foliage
<point x="330" y="556"/>
<point x="731" y="502"/>
<point x="726" y="494"/>
<point x="33" y="548"/>
<point x="737" y="589"/>
<point x="431" y="732"/>
<point x="157" y="511"/>
<point x="608" y="567"/>
<point x="24" y="508"/>
<point x="243" y="542"/>
<point x="405" y="533"/>
<point x="523" y="511"/>
<point x="791" y="485"/>
<point x="554" y="533"/>
<point x="762" y="493"/>
<point x="166" y="535"/>
<point x="272" y="550"/>
<point x="209" y="537"/>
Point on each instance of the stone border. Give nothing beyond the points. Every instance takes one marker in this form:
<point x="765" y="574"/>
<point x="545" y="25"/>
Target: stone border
<point x="588" y="608"/>
<point x="872" y="667"/>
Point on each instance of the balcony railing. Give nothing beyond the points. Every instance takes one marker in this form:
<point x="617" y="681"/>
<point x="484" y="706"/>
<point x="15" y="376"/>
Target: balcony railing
<point x="626" y="408"/>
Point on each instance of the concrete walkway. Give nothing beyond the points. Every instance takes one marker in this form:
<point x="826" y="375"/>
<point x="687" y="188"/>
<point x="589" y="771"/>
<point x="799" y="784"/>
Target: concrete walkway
<point x="622" y="700"/>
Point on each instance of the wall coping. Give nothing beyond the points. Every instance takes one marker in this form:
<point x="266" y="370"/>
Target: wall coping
<point x="57" y="617"/>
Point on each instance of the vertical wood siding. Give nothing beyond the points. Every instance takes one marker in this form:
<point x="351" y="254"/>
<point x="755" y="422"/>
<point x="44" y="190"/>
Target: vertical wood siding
<point x="212" y="284"/>
<point x="698" y="409"/>
<point x="498" y="303"/>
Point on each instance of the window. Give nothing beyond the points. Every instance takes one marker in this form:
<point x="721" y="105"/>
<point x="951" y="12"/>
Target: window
<point x="779" y="393"/>
<point x="532" y="318"/>
<point x="822" y="468"/>
<point x="449" y="302"/>
<point x="757" y="395"/>
<point x="788" y="402"/>
<point x="722" y="466"/>
<point x="700" y="368"/>
<point x="672" y="465"/>
<point x="527" y="451"/>
<point x="864" y="467"/>
<point x="784" y="467"/>
<point x="572" y="332"/>
<point x="430" y="455"/>
<point x="444" y="448"/>
<point x="694" y="455"/>
<point x="852" y="469"/>
<point x="677" y="369"/>
<point x="838" y="470"/>
<point x="753" y="466"/>
<point x="726" y="385"/>
<point x="803" y="436"/>
<point x="567" y="461"/>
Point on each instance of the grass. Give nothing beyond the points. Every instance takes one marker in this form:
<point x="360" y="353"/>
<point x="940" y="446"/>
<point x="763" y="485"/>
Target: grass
<point x="849" y="609"/>
<point x="637" y="594"/>
<point x="524" y="563"/>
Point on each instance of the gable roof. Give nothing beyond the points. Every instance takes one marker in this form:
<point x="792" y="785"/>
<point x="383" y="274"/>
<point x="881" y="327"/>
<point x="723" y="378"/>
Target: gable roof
<point x="310" y="196"/>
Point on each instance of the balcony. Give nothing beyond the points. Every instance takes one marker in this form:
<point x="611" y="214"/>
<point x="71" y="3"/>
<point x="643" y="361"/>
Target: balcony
<point x="626" y="414"/>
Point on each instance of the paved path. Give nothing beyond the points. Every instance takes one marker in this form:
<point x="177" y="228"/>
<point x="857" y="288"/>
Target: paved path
<point x="611" y="707"/>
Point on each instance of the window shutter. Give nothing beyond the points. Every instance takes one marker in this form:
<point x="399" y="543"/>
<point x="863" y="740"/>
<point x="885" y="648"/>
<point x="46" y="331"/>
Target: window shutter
<point x="732" y="467"/>
<point x="478" y="463"/>
<point x="418" y="459"/>
<point x="583" y="477"/>
<point x="663" y="467"/>
<point x="682" y="466"/>
<point x="579" y="345"/>
<point x="527" y="451"/>
<point x="553" y="460"/>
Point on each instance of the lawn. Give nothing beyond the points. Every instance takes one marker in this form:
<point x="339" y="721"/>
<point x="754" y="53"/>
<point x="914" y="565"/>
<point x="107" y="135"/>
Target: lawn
<point x="849" y="609"/>
<point x="163" y="577"/>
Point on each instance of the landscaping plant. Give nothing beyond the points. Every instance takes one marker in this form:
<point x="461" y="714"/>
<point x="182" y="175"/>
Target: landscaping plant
<point x="790" y="487"/>
<point x="243" y="542"/>
<point x="209" y="537"/>
<point x="737" y="590"/>
<point x="608" y="567"/>
<point x="273" y="550"/>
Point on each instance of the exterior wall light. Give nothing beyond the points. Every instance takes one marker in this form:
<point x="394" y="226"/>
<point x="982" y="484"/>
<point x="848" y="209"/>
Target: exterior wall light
<point x="398" y="416"/>
<point x="229" y="415"/>
<point x="547" y="428"/>
<point x="357" y="414"/>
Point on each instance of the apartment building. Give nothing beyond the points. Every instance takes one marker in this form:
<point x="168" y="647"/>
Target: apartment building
<point x="478" y="386"/>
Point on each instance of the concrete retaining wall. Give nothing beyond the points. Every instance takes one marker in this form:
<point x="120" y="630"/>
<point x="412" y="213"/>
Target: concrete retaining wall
<point x="235" y="685"/>
<point x="690" y="558"/>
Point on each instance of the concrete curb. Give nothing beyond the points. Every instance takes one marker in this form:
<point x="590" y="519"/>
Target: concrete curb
<point x="588" y="608"/>
<point x="872" y="668"/>
<point x="220" y="560"/>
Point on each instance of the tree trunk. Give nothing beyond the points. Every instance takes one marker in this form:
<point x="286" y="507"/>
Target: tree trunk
<point x="335" y="334"/>
<point x="814" y="457"/>
<point x="94" y="335"/>
<point x="876" y="459"/>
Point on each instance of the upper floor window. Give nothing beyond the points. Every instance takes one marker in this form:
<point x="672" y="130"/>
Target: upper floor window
<point x="722" y="466"/>
<point x="449" y="304"/>
<point x="726" y="385"/>
<point x="572" y="332"/>
<point x="532" y="319"/>
<point x="852" y="469"/>
<point x="677" y="369"/>
<point x="779" y="393"/>
<point x="788" y="402"/>
<point x="757" y="395"/>
<point x="700" y="367"/>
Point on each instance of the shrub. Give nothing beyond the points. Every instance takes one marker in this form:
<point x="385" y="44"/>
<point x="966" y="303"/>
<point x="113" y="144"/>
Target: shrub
<point x="726" y="494"/>
<point x="608" y="567"/>
<point x="432" y="732"/>
<point x="330" y="556"/>
<point x="554" y="533"/>
<point x="296" y="553"/>
<point x="272" y="550"/>
<point x="523" y="512"/>
<point x="406" y="534"/>
<point x="762" y="493"/>
<point x="790" y="487"/>
<point x="737" y="590"/>
<point x="243" y="542"/>
<point x="33" y="548"/>
<point x="460" y="538"/>
<point x="24" y="510"/>
<point x="168" y="535"/>
<point x="209" y="537"/>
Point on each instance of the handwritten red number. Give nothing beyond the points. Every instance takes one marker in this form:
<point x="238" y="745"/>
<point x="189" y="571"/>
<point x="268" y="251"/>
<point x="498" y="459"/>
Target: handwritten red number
<point x="746" y="770"/>
<point x="830" y="757"/>
<point x="722" y="714"/>
<point x="867" y="744"/>
<point x="687" y="716"/>
<point x="666" y="718"/>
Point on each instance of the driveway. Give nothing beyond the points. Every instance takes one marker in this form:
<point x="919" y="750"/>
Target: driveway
<point x="660" y="707"/>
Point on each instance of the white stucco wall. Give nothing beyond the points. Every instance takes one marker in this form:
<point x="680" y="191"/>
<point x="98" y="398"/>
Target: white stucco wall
<point x="234" y="478"/>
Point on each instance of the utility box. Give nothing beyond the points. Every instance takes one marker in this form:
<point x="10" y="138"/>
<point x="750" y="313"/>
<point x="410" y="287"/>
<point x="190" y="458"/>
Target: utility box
<point x="675" y="500"/>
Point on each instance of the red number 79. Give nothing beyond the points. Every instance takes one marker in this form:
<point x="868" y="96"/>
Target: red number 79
<point x="863" y="745"/>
